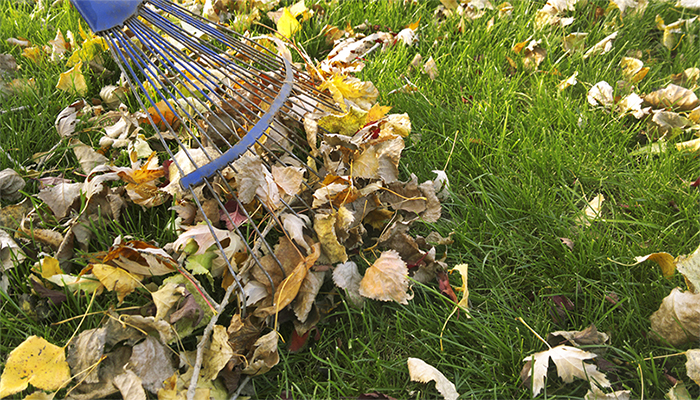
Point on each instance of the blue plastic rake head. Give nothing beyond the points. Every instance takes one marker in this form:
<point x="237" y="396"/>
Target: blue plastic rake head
<point x="200" y="73"/>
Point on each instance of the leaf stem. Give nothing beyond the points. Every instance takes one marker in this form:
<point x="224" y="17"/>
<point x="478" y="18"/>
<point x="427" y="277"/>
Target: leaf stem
<point x="533" y="331"/>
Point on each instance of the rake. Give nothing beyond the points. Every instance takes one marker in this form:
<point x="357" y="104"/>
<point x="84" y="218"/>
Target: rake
<point x="205" y="85"/>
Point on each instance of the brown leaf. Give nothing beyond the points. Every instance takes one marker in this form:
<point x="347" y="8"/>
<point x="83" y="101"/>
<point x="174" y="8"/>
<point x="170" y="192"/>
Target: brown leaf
<point x="386" y="279"/>
<point x="678" y="318"/>
<point x="346" y="276"/>
<point x="673" y="97"/>
<point x="307" y="294"/>
<point x="61" y="197"/>
<point x="140" y="258"/>
<point x="152" y="362"/>
<point x="130" y="386"/>
<point x="10" y="185"/>
<point x="289" y="288"/>
<point x="587" y="337"/>
<point x="87" y="157"/>
<point x="265" y="355"/>
<point x="10" y="253"/>
<point x="86" y="351"/>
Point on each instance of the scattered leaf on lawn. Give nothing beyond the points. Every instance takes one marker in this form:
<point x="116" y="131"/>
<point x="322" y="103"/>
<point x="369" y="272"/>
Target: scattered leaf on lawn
<point x="10" y="185"/>
<point x="678" y="392"/>
<point x="587" y="337"/>
<point x="665" y="261"/>
<point x="166" y="297"/>
<point x="430" y="68"/>
<point x="692" y="366"/>
<point x="570" y="365"/>
<point x="36" y="362"/>
<point x="633" y="69"/>
<point x="386" y="279"/>
<point x="73" y="81"/>
<point x="678" y="318"/>
<point x="591" y="211"/>
<point x="10" y="253"/>
<point x="61" y="197"/>
<point x="87" y="156"/>
<point x="420" y="371"/>
<point x="689" y="266"/>
<point x="287" y="25"/>
<point x="85" y="351"/>
<point x="601" y="47"/>
<point x="673" y="97"/>
<point x="570" y="81"/>
<point x="597" y="394"/>
<point x="601" y="93"/>
<point x="463" y="271"/>
<point x="574" y="42"/>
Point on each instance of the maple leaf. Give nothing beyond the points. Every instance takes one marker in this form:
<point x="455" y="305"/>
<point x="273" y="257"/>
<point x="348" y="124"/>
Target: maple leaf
<point x="570" y="365"/>
<point x="386" y="279"/>
<point x="35" y="361"/>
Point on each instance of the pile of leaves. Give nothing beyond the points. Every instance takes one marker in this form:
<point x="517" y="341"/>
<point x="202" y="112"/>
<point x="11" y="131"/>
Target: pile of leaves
<point x="357" y="202"/>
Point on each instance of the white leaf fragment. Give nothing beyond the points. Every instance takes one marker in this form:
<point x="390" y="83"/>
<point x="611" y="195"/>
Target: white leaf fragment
<point x="420" y="371"/>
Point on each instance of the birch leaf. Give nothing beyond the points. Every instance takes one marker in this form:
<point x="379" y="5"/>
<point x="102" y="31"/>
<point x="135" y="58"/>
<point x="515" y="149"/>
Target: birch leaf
<point x="420" y="371"/>
<point x="386" y="279"/>
<point x="35" y="361"/>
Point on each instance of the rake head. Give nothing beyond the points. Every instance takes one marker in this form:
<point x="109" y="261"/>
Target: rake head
<point x="235" y="111"/>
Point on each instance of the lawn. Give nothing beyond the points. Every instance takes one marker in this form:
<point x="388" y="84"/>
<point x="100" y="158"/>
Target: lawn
<point x="524" y="158"/>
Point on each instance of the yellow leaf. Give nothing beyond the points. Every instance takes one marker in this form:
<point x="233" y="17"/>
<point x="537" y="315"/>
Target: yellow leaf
<point x="116" y="279"/>
<point x="32" y="53"/>
<point x="287" y="25"/>
<point x="386" y="279"/>
<point x="73" y="81"/>
<point x="324" y="225"/>
<point x="690" y="145"/>
<point x="665" y="261"/>
<point x="462" y="269"/>
<point x="47" y="267"/>
<point x="35" y="361"/>
<point x="377" y="112"/>
<point x="342" y="88"/>
<point x="289" y="288"/>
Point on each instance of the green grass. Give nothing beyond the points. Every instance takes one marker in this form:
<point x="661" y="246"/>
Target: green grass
<point x="527" y="158"/>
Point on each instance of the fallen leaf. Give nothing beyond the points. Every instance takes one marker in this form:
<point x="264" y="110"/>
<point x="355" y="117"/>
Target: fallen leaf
<point x="678" y="318"/>
<point x="85" y="351"/>
<point x="386" y="279"/>
<point x="36" y="362"/>
<point x="678" y="392"/>
<point x="88" y="158"/>
<point x="570" y="81"/>
<point x="420" y="371"/>
<point x="587" y="337"/>
<point x="324" y="225"/>
<point x="10" y="185"/>
<point x="673" y="97"/>
<point x="166" y="298"/>
<point x="441" y="184"/>
<point x="430" y="68"/>
<point x="601" y="47"/>
<point x="690" y="145"/>
<point x="692" y="366"/>
<point x="463" y="270"/>
<point x="117" y="279"/>
<point x="574" y="42"/>
<point x="151" y="362"/>
<point x="10" y="253"/>
<point x="287" y="25"/>
<point x="130" y="386"/>
<point x="665" y="261"/>
<point x="217" y="355"/>
<point x="346" y="276"/>
<point x="307" y="294"/>
<point x="569" y="363"/>
<point x="73" y="81"/>
<point x="61" y="197"/>
<point x="633" y="69"/>
<point x="265" y="355"/>
<point x="601" y="93"/>
<point x="597" y="394"/>
<point x="140" y="258"/>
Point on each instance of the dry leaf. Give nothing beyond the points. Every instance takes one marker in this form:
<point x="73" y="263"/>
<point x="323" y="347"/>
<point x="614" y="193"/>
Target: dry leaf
<point x="463" y="269"/>
<point x="570" y="81"/>
<point x="151" y="362"/>
<point x="10" y="185"/>
<point x="265" y="355"/>
<point x="386" y="279"/>
<point x="574" y="42"/>
<point x="307" y="295"/>
<point x="346" y="276"/>
<point x="86" y="351"/>
<point x="633" y="69"/>
<point x="430" y="68"/>
<point x="570" y="365"/>
<point x="587" y="337"/>
<point x="420" y="371"/>
<point x="678" y="392"/>
<point x="288" y="25"/>
<point x="73" y="81"/>
<point x="678" y="318"/>
<point x="217" y="354"/>
<point x="665" y="261"/>
<point x="47" y="267"/>
<point x="10" y="253"/>
<point x="35" y="361"/>
<point x="601" y="93"/>
<point x="690" y="145"/>
<point x="669" y="122"/>
<point x="441" y="184"/>
<point x="692" y="366"/>
<point x="689" y="266"/>
<point x="130" y="386"/>
<point x="88" y="158"/>
<point x="324" y="225"/>
<point x="117" y="279"/>
<point x="591" y="211"/>
<point x="673" y="97"/>
<point x="597" y="394"/>
<point x="601" y="47"/>
<point x="166" y="298"/>
<point x="61" y="197"/>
